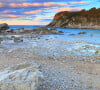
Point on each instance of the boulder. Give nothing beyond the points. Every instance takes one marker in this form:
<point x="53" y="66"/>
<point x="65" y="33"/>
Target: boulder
<point x="9" y="30"/>
<point x="4" y="26"/>
<point x="82" y="33"/>
<point x="17" y="31"/>
<point x="72" y="34"/>
<point x="54" y="31"/>
<point x="22" y="30"/>
<point x="25" y="76"/>
<point x="27" y="29"/>
<point x="42" y="28"/>
<point x="18" y="39"/>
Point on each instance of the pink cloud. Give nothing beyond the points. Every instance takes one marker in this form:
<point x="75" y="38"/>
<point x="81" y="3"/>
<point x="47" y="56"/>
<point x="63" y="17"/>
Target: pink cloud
<point x="33" y="12"/>
<point x="79" y="2"/>
<point x="13" y="16"/>
<point x="5" y="12"/>
<point x="14" y="5"/>
<point x="48" y="4"/>
<point x="1" y="4"/>
<point x="67" y="9"/>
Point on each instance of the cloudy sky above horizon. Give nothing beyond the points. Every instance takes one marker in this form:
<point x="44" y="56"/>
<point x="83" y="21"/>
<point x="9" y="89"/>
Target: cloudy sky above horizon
<point x="39" y="12"/>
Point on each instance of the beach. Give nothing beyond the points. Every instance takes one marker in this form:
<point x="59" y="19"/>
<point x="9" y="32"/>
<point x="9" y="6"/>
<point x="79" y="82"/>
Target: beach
<point x="65" y="64"/>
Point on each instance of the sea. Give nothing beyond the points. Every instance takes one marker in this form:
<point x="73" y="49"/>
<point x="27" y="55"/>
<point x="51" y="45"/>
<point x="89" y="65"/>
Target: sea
<point x="91" y="35"/>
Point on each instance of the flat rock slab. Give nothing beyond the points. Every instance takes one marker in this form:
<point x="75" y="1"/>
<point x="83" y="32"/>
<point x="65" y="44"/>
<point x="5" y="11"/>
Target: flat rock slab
<point x="25" y="76"/>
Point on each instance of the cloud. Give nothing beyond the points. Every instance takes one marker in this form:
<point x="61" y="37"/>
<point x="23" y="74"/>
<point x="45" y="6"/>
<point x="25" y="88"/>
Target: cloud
<point x="33" y="1"/>
<point x="27" y="5"/>
<point x="37" y="11"/>
<point x="9" y="1"/>
<point x="12" y="16"/>
<point x="67" y="9"/>
<point x="1" y="4"/>
<point x="33" y="12"/>
<point x="48" y="4"/>
<point x="6" y="12"/>
<point x="80" y="2"/>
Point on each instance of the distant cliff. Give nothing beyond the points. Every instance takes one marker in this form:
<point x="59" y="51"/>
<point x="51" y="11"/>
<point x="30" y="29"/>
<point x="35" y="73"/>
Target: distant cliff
<point x="79" y="19"/>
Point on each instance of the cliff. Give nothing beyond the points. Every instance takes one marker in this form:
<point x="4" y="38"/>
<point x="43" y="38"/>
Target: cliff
<point x="79" y="19"/>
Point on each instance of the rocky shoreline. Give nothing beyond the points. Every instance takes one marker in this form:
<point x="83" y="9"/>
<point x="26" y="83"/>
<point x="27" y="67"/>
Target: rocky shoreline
<point x="74" y="26"/>
<point x="4" y="29"/>
<point x="63" y="68"/>
<point x="35" y="62"/>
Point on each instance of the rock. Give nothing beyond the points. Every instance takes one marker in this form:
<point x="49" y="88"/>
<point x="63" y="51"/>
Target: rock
<point x="18" y="31"/>
<point x="82" y="33"/>
<point x="25" y="76"/>
<point x="4" y="26"/>
<point x="37" y="31"/>
<point x="9" y="30"/>
<point x="22" y="30"/>
<point x="54" y="31"/>
<point x="17" y="39"/>
<point x="45" y="30"/>
<point x="60" y="31"/>
<point x="27" y="29"/>
<point x="42" y="28"/>
<point x="72" y="34"/>
<point x="13" y="37"/>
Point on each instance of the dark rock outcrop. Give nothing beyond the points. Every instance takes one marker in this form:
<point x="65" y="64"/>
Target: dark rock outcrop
<point x="4" y="26"/>
<point x="82" y="33"/>
<point x="80" y="19"/>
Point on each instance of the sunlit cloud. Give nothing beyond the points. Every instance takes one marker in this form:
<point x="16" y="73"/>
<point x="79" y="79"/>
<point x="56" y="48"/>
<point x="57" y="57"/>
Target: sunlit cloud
<point x="67" y="9"/>
<point x="6" y="12"/>
<point x="80" y="2"/>
<point x="45" y="4"/>
<point x="12" y="16"/>
<point x="48" y="4"/>
<point x="1" y="4"/>
<point x="33" y="12"/>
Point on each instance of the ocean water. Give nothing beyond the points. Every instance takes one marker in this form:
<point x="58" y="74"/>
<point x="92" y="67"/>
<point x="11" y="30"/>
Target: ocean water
<point x="24" y="26"/>
<point x="69" y="34"/>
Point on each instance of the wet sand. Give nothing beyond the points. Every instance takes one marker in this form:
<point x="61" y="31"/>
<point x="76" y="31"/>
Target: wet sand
<point x="63" y="63"/>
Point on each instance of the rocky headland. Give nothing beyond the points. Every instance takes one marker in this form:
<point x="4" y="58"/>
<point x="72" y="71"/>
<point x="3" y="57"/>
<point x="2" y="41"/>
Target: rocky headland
<point x="81" y="19"/>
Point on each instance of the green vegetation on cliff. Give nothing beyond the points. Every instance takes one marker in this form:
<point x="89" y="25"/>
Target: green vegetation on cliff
<point x="79" y="19"/>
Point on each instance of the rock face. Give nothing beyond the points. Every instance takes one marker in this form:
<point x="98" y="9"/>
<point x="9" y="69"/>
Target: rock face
<point x="80" y="19"/>
<point x="4" y="26"/>
<point x="24" y="76"/>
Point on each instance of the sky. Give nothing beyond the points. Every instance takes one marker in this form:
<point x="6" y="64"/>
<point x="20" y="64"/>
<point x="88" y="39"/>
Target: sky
<point x="39" y="12"/>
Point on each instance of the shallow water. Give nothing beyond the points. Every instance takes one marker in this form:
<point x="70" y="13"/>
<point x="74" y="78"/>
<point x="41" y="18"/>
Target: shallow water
<point x="69" y="42"/>
<point x="69" y="34"/>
